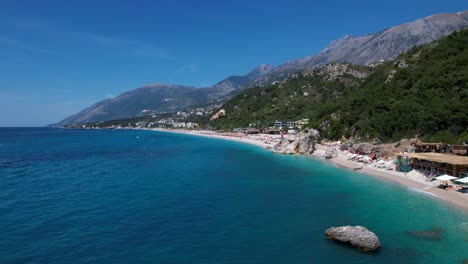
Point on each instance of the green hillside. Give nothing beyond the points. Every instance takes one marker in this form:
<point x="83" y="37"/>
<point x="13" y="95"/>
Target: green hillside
<point x="295" y="98"/>
<point x="423" y="92"/>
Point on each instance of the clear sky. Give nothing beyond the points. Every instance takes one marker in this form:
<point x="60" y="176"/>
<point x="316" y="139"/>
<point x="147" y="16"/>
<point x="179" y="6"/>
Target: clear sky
<point x="58" y="57"/>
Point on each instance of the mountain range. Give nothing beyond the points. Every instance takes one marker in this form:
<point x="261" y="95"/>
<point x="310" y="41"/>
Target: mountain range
<point x="422" y="93"/>
<point x="159" y="98"/>
<point x="361" y="50"/>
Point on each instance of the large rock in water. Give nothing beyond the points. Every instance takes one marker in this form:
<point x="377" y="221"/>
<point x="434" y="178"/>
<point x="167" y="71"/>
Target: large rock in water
<point x="358" y="236"/>
<point x="303" y="144"/>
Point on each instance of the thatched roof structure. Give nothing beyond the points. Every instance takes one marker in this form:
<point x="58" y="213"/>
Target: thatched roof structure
<point x="440" y="158"/>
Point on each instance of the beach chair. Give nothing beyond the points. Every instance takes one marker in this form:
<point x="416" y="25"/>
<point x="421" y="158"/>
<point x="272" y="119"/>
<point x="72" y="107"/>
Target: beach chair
<point x="430" y="177"/>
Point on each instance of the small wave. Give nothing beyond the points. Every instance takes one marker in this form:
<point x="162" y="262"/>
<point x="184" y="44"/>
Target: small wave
<point x="421" y="191"/>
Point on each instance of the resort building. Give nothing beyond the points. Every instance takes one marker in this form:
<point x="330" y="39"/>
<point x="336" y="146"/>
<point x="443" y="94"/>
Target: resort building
<point x="284" y="124"/>
<point x="431" y="163"/>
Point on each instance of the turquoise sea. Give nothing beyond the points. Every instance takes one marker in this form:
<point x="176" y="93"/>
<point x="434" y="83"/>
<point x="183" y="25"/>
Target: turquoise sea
<point x="108" y="196"/>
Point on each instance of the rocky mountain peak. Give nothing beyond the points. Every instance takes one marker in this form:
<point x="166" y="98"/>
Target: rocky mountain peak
<point x="338" y="42"/>
<point x="259" y="71"/>
<point x="383" y="45"/>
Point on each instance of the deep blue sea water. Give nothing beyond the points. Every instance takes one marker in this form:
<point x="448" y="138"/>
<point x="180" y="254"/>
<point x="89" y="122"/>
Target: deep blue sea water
<point x="103" y="196"/>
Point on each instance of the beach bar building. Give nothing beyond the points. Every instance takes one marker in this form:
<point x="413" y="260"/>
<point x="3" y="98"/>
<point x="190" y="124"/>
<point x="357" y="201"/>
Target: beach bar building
<point x="438" y="163"/>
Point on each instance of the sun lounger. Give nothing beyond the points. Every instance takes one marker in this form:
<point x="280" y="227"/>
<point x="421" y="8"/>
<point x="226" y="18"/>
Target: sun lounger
<point x="430" y="177"/>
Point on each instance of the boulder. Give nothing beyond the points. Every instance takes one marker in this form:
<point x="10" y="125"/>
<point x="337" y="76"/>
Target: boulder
<point x="347" y="146"/>
<point x="284" y="147"/>
<point x="291" y="148"/>
<point x="330" y="153"/>
<point x="304" y="143"/>
<point x="358" y="236"/>
<point x="363" y="148"/>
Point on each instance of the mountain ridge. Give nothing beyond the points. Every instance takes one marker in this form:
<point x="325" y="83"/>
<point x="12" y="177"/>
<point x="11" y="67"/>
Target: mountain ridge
<point x="422" y="93"/>
<point x="374" y="47"/>
<point x="159" y="97"/>
<point x="384" y="45"/>
<point x="418" y="32"/>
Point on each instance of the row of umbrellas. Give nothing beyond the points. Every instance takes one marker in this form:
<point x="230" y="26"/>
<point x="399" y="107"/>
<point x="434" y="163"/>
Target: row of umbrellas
<point x="446" y="177"/>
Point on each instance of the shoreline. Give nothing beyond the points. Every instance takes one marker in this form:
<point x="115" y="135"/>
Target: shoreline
<point x="453" y="198"/>
<point x="211" y="134"/>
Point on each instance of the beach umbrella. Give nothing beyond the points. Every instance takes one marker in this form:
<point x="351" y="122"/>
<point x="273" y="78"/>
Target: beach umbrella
<point x="445" y="177"/>
<point x="463" y="180"/>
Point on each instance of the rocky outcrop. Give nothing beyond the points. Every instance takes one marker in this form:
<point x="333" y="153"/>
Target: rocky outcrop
<point x="363" y="148"/>
<point x="335" y="70"/>
<point x="218" y="114"/>
<point x="330" y="153"/>
<point x="285" y="147"/>
<point x="304" y="143"/>
<point x="358" y="236"/>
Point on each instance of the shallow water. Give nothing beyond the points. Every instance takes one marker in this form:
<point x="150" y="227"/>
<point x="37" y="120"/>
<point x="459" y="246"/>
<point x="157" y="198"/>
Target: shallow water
<point x="103" y="196"/>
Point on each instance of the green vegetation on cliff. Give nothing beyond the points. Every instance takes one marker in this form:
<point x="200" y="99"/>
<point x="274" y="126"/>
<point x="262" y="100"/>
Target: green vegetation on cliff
<point x="423" y="92"/>
<point x="295" y="98"/>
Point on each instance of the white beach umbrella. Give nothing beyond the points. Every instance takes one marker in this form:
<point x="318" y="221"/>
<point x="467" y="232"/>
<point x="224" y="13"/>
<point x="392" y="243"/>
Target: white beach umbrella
<point x="463" y="180"/>
<point x="445" y="177"/>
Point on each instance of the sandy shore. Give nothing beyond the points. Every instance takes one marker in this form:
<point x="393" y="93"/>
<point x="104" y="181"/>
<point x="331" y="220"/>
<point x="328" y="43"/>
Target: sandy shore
<point x="260" y="140"/>
<point x="415" y="183"/>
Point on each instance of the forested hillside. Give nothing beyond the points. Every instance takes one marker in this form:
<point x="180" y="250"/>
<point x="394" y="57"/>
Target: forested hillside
<point x="423" y="92"/>
<point x="295" y="98"/>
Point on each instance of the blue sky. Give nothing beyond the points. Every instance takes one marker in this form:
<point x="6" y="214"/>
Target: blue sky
<point x="58" y="57"/>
